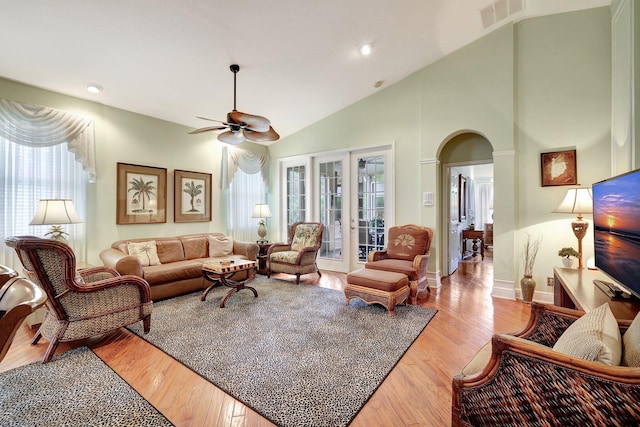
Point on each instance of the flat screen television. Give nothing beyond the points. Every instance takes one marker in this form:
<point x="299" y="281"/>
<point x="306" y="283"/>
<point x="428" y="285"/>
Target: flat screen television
<point x="616" y="220"/>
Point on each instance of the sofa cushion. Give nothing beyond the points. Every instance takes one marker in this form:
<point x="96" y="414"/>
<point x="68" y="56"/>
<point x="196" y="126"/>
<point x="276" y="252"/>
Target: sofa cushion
<point x="194" y="246"/>
<point x="173" y="272"/>
<point x="147" y="252"/>
<point x="220" y="246"/>
<point x="170" y="250"/>
<point x="405" y="243"/>
<point x="595" y="337"/>
<point x="631" y="344"/>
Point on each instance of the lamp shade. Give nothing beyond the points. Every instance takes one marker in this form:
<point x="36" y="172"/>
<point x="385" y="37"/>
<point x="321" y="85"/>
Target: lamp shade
<point x="578" y="201"/>
<point x="261" y="211"/>
<point x="55" y="211"/>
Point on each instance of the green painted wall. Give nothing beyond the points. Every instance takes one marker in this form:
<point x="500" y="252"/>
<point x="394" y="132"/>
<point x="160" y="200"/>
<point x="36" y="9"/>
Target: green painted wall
<point x="122" y="136"/>
<point x="538" y="85"/>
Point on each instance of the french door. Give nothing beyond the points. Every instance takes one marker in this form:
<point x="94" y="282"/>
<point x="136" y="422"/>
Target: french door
<point x="346" y="192"/>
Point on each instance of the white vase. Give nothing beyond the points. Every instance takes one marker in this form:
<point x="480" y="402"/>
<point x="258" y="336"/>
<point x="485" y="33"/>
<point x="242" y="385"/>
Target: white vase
<point x="567" y="262"/>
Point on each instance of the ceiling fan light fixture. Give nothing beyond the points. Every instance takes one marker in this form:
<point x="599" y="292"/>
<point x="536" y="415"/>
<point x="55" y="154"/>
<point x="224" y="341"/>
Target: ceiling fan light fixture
<point x="232" y="137"/>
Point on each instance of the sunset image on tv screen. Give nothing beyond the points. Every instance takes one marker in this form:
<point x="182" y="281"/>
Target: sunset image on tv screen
<point x="616" y="220"/>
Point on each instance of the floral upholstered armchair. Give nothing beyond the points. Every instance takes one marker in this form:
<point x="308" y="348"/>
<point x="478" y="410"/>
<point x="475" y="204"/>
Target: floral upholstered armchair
<point x="298" y="256"/>
<point x="80" y="303"/>
<point x="407" y="252"/>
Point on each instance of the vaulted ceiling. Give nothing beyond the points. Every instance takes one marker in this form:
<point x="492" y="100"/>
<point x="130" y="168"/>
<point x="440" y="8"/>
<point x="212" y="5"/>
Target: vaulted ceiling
<point x="299" y="59"/>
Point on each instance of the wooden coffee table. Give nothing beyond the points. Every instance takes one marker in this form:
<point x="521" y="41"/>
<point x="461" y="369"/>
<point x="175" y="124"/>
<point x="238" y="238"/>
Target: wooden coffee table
<point x="219" y="273"/>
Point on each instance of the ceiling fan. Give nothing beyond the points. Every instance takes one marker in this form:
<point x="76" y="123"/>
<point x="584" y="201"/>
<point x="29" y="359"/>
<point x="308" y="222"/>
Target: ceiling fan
<point x="241" y="126"/>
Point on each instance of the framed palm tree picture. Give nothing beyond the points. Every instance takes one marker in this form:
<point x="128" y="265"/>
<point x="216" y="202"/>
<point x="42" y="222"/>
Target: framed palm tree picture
<point x="141" y="194"/>
<point x="191" y="196"/>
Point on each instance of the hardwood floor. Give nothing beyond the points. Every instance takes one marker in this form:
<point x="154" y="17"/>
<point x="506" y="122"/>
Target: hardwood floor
<point x="416" y="393"/>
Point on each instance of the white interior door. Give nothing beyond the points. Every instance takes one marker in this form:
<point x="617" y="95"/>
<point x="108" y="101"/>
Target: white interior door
<point x="372" y="202"/>
<point x="331" y="195"/>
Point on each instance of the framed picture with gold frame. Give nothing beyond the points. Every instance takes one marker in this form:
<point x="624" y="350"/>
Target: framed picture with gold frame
<point x="191" y="196"/>
<point x="558" y="168"/>
<point x="462" y="194"/>
<point x="141" y="194"/>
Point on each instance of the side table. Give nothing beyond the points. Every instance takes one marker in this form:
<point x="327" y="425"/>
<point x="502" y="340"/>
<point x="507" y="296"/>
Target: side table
<point x="262" y="257"/>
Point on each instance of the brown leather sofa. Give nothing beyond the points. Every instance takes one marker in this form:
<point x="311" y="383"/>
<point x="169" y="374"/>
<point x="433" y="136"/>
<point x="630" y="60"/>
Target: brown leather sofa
<point x="181" y="259"/>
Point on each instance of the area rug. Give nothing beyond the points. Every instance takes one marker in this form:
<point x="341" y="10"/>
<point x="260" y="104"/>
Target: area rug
<point x="75" y="388"/>
<point x="297" y="354"/>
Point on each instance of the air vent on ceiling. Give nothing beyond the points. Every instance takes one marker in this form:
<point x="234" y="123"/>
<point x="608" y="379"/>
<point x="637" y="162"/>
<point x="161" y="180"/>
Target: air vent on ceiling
<point x="499" y="11"/>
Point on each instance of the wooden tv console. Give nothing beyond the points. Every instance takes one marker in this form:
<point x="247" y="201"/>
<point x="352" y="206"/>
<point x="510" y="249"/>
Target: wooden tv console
<point x="574" y="288"/>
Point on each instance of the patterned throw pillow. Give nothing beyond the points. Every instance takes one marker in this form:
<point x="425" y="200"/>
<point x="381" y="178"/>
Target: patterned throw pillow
<point x="404" y="245"/>
<point x="220" y="246"/>
<point x="631" y="344"/>
<point x="595" y="337"/>
<point x="147" y="252"/>
<point x="306" y="235"/>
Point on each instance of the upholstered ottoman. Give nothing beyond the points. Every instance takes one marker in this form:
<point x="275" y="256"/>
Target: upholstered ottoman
<point x="377" y="287"/>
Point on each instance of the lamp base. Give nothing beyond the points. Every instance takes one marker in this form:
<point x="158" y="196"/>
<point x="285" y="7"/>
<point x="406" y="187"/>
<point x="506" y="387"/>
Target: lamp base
<point x="57" y="233"/>
<point x="262" y="230"/>
<point x="580" y="230"/>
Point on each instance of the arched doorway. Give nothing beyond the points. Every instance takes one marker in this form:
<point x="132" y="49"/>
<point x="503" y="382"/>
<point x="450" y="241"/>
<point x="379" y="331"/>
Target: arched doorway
<point x="466" y="171"/>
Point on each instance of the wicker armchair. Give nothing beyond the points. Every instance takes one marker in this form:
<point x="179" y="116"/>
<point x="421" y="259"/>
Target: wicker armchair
<point x="19" y="298"/>
<point x="298" y="256"/>
<point x="80" y="304"/>
<point x="407" y="252"/>
<point x="526" y="382"/>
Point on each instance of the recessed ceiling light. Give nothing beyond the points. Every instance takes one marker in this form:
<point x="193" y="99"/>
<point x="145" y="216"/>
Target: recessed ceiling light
<point x="365" y="49"/>
<point x="94" y="88"/>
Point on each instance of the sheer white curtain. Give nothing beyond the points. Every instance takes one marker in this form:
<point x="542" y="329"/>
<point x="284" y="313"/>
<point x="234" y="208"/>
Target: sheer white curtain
<point x="245" y="175"/>
<point x="44" y="154"/>
<point x="484" y="204"/>
<point x="246" y="190"/>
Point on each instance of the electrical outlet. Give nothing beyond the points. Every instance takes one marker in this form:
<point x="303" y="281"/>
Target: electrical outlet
<point x="549" y="281"/>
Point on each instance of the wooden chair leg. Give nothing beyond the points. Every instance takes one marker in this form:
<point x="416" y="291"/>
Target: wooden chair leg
<point x="53" y="344"/>
<point x="146" y="322"/>
<point x="36" y="337"/>
<point x="298" y="279"/>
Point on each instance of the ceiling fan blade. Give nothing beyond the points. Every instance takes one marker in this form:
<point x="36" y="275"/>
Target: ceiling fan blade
<point x="231" y="138"/>
<point x="207" y="129"/>
<point x="255" y="123"/>
<point x="212" y="120"/>
<point x="270" y="135"/>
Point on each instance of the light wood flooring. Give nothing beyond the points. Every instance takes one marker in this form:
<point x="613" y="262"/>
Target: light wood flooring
<point x="416" y="393"/>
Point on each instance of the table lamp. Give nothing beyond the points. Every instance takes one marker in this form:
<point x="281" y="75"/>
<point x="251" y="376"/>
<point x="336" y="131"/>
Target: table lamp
<point x="55" y="212"/>
<point x="577" y="201"/>
<point x="261" y="211"/>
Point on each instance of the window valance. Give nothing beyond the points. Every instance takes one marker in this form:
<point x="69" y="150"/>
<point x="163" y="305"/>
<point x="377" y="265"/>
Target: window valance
<point x="247" y="161"/>
<point x="36" y="126"/>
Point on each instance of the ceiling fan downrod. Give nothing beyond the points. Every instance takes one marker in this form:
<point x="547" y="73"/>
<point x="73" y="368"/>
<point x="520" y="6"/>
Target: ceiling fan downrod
<point x="234" y="69"/>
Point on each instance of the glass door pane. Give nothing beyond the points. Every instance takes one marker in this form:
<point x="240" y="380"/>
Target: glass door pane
<point x="296" y="196"/>
<point x="371" y="205"/>
<point x="330" y="204"/>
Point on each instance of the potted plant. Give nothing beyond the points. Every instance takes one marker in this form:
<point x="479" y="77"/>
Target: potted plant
<point x="566" y="254"/>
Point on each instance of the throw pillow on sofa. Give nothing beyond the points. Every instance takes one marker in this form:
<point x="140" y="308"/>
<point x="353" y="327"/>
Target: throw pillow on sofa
<point x="220" y="246"/>
<point x="147" y="252"/>
<point x="595" y="337"/>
